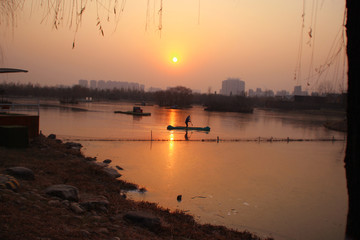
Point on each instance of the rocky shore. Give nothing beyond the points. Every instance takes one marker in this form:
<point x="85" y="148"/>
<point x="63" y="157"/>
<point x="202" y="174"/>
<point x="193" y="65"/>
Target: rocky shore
<point x="50" y="191"/>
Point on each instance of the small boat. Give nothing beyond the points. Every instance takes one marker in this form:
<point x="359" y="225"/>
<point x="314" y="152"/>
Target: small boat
<point x="136" y="111"/>
<point x="68" y="101"/>
<point x="188" y="128"/>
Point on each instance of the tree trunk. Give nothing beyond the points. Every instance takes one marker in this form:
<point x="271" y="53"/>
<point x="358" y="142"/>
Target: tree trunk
<point x="352" y="157"/>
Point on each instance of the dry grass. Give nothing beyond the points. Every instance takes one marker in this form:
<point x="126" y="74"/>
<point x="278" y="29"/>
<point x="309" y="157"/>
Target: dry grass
<point x="28" y="213"/>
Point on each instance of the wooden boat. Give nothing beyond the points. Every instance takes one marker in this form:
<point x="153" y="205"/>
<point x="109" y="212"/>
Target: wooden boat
<point x="188" y="128"/>
<point x="134" y="113"/>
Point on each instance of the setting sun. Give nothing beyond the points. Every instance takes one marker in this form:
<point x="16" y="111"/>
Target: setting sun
<point x="175" y="59"/>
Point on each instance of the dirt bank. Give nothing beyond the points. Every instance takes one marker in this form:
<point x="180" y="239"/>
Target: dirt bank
<point x="31" y="213"/>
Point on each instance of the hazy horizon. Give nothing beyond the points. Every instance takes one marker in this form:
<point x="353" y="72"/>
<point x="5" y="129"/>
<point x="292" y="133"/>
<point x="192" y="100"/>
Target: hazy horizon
<point x="257" y="42"/>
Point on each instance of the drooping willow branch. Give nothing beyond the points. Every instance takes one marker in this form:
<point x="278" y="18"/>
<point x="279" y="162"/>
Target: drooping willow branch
<point x="69" y="12"/>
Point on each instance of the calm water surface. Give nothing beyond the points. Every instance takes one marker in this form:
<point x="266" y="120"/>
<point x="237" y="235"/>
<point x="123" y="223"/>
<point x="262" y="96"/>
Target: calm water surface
<point x="288" y="190"/>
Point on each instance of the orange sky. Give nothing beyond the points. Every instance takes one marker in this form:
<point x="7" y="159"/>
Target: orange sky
<point x="256" y="41"/>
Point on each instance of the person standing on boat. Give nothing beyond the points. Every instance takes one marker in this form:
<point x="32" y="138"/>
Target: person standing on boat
<point x="187" y="120"/>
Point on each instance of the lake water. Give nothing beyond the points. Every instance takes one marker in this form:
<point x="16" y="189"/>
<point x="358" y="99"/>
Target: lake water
<point x="284" y="189"/>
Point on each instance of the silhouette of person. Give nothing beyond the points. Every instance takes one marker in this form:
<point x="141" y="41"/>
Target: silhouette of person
<point x="186" y="136"/>
<point x="187" y="120"/>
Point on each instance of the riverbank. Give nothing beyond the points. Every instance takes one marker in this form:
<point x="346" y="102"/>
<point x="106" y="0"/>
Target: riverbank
<point x="100" y="210"/>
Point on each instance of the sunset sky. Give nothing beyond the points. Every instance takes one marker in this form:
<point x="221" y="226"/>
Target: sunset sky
<point x="254" y="40"/>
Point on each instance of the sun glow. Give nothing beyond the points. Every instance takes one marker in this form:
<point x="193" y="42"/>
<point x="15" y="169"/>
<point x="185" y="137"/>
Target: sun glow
<point x="175" y="59"/>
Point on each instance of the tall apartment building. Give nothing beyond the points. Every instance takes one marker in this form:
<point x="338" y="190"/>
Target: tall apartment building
<point x="83" y="83"/>
<point x="93" y="84"/>
<point x="232" y="86"/>
<point x="298" y="91"/>
<point x="101" y="84"/>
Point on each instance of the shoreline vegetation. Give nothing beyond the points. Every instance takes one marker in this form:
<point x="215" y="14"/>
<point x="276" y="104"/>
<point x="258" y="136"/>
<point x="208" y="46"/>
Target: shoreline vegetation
<point x="179" y="97"/>
<point x="99" y="209"/>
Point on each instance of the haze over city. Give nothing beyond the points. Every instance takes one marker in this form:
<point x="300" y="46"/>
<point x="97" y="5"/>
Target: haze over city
<point x="200" y="44"/>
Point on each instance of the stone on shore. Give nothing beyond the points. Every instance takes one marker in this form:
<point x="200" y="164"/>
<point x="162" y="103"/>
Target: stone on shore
<point x="52" y="136"/>
<point x="76" y="208"/>
<point x="66" y="192"/>
<point x="97" y="203"/>
<point x="73" y="145"/>
<point x="119" y="168"/>
<point x="90" y="159"/>
<point x="112" y="172"/>
<point x="107" y="161"/>
<point x="21" y="173"/>
<point x="143" y="219"/>
<point x="8" y="182"/>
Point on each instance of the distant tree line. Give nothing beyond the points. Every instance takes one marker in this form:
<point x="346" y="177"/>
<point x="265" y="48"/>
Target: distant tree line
<point x="176" y="97"/>
<point x="74" y="92"/>
<point x="179" y="96"/>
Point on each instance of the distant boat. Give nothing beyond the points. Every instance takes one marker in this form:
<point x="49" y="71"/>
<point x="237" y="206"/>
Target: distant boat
<point x="144" y="104"/>
<point x="170" y="127"/>
<point x="11" y="70"/>
<point x="68" y="101"/>
<point x="137" y="111"/>
<point x="134" y="113"/>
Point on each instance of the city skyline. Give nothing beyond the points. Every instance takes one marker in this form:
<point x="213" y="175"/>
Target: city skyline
<point x="258" y="42"/>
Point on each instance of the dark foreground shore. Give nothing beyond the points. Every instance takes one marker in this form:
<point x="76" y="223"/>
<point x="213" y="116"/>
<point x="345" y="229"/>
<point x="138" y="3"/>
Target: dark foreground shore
<point x="99" y="209"/>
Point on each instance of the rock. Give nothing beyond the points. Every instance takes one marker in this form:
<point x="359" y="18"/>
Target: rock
<point x="84" y="233"/>
<point x="52" y="136"/>
<point x="112" y="172"/>
<point x="97" y="203"/>
<point x="100" y="164"/>
<point x="8" y="182"/>
<point x="143" y="219"/>
<point x="65" y="203"/>
<point x="119" y="168"/>
<point x="96" y="219"/>
<point x="102" y="230"/>
<point x="90" y="159"/>
<point x="76" y="208"/>
<point x="123" y="195"/>
<point x="73" y="145"/>
<point x="107" y="161"/>
<point x="63" y="191"/>
<point x="55" y="203"/>
<point x="142" y="190"/>
<point x="21" y="173"/>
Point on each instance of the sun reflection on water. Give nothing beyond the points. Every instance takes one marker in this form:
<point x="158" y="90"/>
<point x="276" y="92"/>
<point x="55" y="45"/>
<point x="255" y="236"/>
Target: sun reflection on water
<point x="170" y="160"/>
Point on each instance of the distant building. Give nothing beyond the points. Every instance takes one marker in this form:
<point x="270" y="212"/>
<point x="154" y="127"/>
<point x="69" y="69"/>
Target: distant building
<point x="282" y="93"/>
<point x="251" y="93"/>
<point x="232" y="86"/>
<point x="269" y="93"/>
<point x="154" y="89"/>
<point x="93" y="84"/>
<point x="101" y="84"/>
<point x="257" y="93"/>
<point x="83" y="83"/>
<point x="298" y="91"/>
